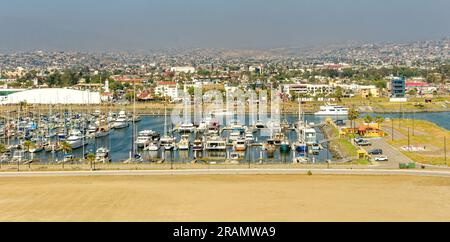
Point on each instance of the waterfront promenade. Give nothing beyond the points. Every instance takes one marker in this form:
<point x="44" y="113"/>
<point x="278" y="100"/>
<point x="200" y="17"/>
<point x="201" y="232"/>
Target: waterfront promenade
<point x="242" y="171"/>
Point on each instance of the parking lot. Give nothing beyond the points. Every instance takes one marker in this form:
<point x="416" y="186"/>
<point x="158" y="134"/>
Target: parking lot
<point x="395" y="156"/>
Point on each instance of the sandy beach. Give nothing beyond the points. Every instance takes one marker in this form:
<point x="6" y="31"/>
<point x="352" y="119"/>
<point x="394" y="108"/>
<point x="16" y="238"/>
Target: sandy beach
<point x="225" y="198"/>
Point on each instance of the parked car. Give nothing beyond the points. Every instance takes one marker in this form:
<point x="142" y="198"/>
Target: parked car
<point x="380" y="158"/>
<point x="376" y="152"/>
<point x="357" y="140"/>
<point x="362" y="142"/>
<point x="339" y="122"/>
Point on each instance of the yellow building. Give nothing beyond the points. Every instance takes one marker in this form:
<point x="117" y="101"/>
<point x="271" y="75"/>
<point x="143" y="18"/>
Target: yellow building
<point x="369" y="91"/>
<point x="364" y="130"/>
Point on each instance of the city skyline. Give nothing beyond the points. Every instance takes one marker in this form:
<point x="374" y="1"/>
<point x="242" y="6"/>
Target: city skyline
<point x="141" y="26"/>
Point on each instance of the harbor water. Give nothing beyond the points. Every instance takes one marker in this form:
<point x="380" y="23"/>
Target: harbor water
<point x="120" y="144"/>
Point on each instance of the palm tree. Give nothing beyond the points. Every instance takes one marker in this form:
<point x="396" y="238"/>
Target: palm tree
<point x="338" y="94"/>
<point x="379" y="119"/>
<point x="368" y="119"/>
<point x="3" y="148"/>
<point x="90" y="157"/>
<point x="353" y="114"/>
<point x="28" y="145"/>
<point x="66" y="147"/>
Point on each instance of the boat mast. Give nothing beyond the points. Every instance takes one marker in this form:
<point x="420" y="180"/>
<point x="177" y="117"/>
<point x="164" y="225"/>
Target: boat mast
<point x="165" y="119"/>
<point x="133" y="119"/>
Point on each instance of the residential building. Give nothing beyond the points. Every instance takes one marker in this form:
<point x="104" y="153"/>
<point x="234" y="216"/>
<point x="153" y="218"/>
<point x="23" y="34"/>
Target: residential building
<point x="168" y="89"/>
<point x="128" y="79"/>
<point x="308" y="89"/>
<point x="398" y="87"/>
<point x="368" y="91"/>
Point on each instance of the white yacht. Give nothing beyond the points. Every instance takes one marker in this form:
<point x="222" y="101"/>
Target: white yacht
<point x="38" y="147"/>
<point x="92" y="128"/>
<point x="331" y="110"/>
<point x="153" y="146"/>
<point x="75" y="139"/>
<point x="309" y="136"/>
<point x="240" y="145"/>
<point x="144" y="138"/>
<point x="186" y="128"/>
<point x="215" y="143"/>
<point x="102" y="131"/>
<point x="203" y="125"/>
<point x="259" y="124"/>
<point x="121" y="121"/>
<point x="102" y="155"/>
<point x="249" y="137"/>
<point x="167" y="142"/>
<point x="235" y="135"/>
<point x="184" y="143"/>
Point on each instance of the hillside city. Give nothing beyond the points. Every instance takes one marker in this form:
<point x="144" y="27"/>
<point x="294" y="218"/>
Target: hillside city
<point x="364" y="70"/>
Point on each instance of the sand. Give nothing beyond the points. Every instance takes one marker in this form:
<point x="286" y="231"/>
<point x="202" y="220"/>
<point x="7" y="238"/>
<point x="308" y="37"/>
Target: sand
<point x="225" y="198"/>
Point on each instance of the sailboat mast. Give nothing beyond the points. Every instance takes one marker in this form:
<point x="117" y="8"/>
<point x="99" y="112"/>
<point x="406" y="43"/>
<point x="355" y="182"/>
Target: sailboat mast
<point x="165" y="119"/>
<point x="134" y="117"/>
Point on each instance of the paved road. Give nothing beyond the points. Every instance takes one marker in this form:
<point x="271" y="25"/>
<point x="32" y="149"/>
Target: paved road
<point x="395" y="156"/>
<point x="440" y="173"/>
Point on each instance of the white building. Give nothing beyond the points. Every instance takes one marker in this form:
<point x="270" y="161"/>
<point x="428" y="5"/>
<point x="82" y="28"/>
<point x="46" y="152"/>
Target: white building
<point x="311" y="89"/>
<point x="52" y="96"/>
<point x="168" y="89"/>
<point x="185" y="69"/>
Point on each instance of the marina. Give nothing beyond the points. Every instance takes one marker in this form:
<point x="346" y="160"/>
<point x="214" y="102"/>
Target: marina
<point x="149" y="140"/>
<point x="118" y="137"/>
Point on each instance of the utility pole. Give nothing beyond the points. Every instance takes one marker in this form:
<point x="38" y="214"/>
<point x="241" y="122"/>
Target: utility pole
<point x="445" y="149"/>
<point x="409" y="147"/>
<point x="328" y="154"/>
<point x="392" y="131"/>
<point x="414" y="117"/>
<point x="249" y="157"/>
<point x="171" y="159"/>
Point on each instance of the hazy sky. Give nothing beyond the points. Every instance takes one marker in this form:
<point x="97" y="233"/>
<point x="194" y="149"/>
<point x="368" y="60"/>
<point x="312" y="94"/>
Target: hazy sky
<point x="103" y="25"/>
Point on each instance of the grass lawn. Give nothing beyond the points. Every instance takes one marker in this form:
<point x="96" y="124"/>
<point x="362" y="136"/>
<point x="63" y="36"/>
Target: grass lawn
<point x="343" y="144"/>
<point x="361" y="162"/>
<point x="426" y="135"/>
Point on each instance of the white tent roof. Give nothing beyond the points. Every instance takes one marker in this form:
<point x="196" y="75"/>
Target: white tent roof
<point x="53" y="96"/>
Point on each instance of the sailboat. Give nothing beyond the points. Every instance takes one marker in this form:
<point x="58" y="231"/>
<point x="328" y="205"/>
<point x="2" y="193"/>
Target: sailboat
<point x="269" y="145"/>
<point x="300" y="147"/>
<point x="187" y="126"/>
<point x="285" y="146"/>
<point x="166" y="141"/>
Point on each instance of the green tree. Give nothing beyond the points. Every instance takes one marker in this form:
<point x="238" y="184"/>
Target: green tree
<point x="27" y="145"/>
<point x="338" y="94"/>
<point x="129" y="96"/>
<point x="368" y="119"/>
<point x="191" y="91"/>
<point x="90" y="157"/>
<point x="3" y="148"/>
<point x="66" y="147"/>
<point x="353" y="114"/>
<point x="379" y="119"/>
<point x="412" y="92"/>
